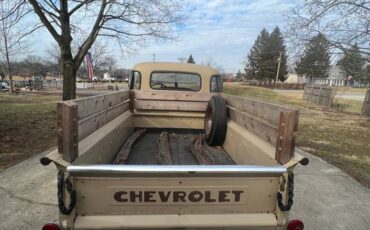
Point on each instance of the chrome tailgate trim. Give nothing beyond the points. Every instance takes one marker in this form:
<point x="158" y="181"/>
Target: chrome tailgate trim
<point x="176" y="169"/>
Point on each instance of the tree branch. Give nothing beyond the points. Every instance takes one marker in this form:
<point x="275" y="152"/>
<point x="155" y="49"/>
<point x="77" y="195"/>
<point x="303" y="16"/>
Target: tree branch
<point x="51" y="4"/>
<point x="29" y="32"/>
<point x="91" y="38"/>
<point x="44" y="20"/>
<point x="82" y="3"/>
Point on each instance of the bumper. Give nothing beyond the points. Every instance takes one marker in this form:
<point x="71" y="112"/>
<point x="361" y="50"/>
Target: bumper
<point x="204" y="221"/>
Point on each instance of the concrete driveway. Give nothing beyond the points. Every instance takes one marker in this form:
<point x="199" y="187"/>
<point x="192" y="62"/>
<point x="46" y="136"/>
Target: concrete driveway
<point x="28" y="195"/>
<point x="324" y="197"/>
<point x="327" y="198"/>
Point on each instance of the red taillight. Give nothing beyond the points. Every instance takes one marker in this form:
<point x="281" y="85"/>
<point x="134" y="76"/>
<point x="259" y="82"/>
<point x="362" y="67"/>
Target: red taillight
<point x="50" y="226"/>
<point x="295" y="225"/>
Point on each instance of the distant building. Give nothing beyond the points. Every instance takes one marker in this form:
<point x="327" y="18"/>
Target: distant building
<point x="336" y="77"/>
<point x="108" y="77"/>
<point x="294" y="78"/>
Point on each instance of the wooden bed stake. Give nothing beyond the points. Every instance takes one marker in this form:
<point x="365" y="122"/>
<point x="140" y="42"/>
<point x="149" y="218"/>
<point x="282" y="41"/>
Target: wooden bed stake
<point x="164" y="152"/>
<point x="196" y="147"/>
<point x="124" y="152"/>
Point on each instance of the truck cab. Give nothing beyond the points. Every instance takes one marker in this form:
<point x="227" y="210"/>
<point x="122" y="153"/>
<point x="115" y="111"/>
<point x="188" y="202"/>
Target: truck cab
<point x="154" y="76"/>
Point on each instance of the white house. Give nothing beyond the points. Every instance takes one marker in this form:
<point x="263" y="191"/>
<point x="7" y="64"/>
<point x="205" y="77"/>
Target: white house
<point x="336" y="77"/>
<point x="294" y="78"/>
<point x="108" y="77"/>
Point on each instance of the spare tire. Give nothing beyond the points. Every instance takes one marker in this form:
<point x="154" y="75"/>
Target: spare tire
<point x="215" y="122"/>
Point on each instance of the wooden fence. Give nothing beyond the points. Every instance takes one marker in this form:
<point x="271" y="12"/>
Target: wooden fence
<point x="322" y="95"/>
<point x="366" y="105"/>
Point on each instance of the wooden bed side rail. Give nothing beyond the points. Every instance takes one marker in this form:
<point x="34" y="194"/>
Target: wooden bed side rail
<point x="171" y="95"/>
<point x="168" y="100"/>
<point x="285" y="143"/>
<point x="77" y="119"/>
<point x="275" y="124"/>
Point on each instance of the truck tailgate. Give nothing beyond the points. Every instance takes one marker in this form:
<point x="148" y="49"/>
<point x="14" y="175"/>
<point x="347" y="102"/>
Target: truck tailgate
<point x="121" y="192"/>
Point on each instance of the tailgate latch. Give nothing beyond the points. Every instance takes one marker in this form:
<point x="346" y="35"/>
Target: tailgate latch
<point x="290" y="188"/>
<point x="62" y="208"/>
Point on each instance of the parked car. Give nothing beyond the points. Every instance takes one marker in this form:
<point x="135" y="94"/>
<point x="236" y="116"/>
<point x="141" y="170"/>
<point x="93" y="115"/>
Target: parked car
<point x="4" y="86"/>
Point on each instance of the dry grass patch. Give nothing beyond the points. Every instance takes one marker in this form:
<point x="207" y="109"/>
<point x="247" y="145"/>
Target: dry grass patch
<point x="27" y="126"/>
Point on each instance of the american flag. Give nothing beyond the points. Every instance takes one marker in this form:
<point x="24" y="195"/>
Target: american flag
<point x="89" y="66"/>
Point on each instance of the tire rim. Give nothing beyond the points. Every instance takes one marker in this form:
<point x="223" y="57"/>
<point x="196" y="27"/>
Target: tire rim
<point x="208" y="120"/>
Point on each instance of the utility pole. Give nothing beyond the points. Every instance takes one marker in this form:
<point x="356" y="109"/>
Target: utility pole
<point x="153" y="57"/>
<point x="278" y="70"/>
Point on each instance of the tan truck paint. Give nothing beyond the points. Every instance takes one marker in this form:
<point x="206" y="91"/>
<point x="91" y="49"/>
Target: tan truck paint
<point x="170" y="200"/>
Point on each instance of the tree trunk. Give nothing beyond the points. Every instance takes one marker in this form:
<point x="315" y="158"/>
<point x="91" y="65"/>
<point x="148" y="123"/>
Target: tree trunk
<point x="69" y="79"/>
<point x="9" y="70"/>
<point x="11" y="89"/>
<point x="69" y="73"/>
<point x="68" y="66"/>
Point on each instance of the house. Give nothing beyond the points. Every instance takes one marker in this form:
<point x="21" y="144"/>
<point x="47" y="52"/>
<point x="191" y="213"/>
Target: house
<point x="336" y="77"/>
<point x="294" y="78"/>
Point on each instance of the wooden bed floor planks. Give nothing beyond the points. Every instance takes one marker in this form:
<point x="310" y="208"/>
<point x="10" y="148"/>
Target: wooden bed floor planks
<point x="197" y="148"/>
<point x="125" y="150"/>
<point x="163" y="149"/>
<point x="170" y="147"/>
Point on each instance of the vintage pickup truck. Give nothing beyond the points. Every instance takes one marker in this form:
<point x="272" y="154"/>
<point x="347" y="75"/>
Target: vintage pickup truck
<point x="174" y="152"/>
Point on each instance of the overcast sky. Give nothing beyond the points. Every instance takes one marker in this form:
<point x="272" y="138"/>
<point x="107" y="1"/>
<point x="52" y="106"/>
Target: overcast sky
<point x="223" y="30"/>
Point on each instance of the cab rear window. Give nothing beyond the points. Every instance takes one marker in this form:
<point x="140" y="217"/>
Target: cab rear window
<point x="175" y="81"/>
<point x="216" y="84"/>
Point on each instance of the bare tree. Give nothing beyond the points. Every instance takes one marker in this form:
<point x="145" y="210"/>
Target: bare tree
<point x="53" y="53"/>
<point x="108" y="64"/>
<point x="343" y="22"/>
<point x="100" y="51"/>
<point x="182" y="59"/>
<point x="128" y="22"/>
<point x="101" y="54"/>
<point x="211" y="63"/>
<point x="12" y="34"/>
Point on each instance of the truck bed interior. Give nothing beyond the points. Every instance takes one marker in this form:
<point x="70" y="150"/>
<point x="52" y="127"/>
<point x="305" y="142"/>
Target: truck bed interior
<point x="95" y="130"/>
<point x="181" y="147"/>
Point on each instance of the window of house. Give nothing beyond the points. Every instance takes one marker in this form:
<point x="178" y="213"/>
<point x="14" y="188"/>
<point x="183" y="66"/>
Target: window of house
<point x="216" y="84"/>
<point x="175" y="81"/>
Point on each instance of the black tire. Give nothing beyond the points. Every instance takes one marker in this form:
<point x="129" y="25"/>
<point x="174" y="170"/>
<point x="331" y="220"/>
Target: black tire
<point x="215" y="122"/>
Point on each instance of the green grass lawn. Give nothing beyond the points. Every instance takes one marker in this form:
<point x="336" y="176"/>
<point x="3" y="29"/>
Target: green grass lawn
<point x="350" y="89"/>
<point x="27" y="126"/>
<point x="339" y="137"/>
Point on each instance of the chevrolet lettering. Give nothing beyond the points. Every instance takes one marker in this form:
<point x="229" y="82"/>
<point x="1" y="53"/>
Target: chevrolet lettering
<point x="230" y="196"/>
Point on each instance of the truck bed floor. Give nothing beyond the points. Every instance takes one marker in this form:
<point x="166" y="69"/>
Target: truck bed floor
<point x="144" y="152"/>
